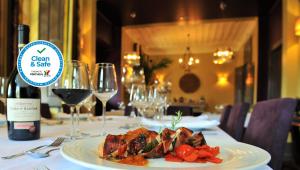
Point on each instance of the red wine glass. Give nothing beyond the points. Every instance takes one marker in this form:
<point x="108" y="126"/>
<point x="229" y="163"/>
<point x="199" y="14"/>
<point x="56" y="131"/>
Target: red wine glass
<point x="73" y="87"/>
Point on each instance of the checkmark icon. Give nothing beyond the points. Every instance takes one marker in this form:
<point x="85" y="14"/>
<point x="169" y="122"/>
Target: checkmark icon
<point x="40" y="51"/>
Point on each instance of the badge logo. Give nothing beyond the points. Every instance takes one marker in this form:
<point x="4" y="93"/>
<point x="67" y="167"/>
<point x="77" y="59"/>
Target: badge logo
<point x="40" y="63"/>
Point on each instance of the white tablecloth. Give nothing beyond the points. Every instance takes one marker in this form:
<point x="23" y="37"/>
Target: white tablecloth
<point x="56" y="161"/>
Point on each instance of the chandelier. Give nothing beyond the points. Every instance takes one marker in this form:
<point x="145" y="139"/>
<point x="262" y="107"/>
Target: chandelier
<point x="222" y="56"/>
<point x="187" y="60"/>
<point x="132" y="58"/>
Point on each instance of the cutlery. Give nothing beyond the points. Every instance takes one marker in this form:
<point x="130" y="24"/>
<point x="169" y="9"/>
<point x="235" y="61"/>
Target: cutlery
<point x="55" y="143"/>
<point x="36" y="154"/>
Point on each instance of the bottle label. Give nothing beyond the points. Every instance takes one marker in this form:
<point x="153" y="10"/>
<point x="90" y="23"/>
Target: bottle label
<point x="24" y="125"/>
<point x="23" y="109"/>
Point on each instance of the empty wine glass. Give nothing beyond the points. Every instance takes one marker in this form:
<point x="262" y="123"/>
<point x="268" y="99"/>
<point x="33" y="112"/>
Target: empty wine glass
<point x="139" y="98"/>
<point x="156" y="102"/>
<point x="104" y="84"/>
<point x="73" y="87"/>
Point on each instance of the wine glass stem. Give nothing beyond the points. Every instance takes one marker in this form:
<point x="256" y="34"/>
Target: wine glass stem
<point x="90" y="114"/>
<point x="77" y="117"/>
<point x="103" y="112"/>
<point x="72" y="133"/>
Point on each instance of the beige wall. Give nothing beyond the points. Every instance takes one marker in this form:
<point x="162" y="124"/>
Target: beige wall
<point x="207" y="72"/>
<point x="290" y="50"/>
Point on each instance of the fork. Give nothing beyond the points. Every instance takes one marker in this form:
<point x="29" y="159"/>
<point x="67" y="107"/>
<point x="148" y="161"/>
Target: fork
<point x="57" y="142"/>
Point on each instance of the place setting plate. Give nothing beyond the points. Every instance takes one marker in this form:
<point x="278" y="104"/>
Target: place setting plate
<point x="235" y="156"/>
<point x="190" y="122"/>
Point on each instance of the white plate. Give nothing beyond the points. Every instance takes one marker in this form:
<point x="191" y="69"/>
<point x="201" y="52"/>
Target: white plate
<point x="235" y="156"/>
<point x="191" y="122"/>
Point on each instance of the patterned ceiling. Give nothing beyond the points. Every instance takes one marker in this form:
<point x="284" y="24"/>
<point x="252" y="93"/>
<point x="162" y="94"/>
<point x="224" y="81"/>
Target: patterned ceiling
<point x="205" y="36"/>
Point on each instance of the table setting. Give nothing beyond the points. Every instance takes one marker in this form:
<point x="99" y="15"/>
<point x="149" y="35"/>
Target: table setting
<point x="85" y="156"/>
<point x="83" y="141"/>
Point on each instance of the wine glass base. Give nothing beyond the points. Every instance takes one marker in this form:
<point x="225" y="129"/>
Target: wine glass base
<point x="108" y="118"/>
<point x="80" y="135"/>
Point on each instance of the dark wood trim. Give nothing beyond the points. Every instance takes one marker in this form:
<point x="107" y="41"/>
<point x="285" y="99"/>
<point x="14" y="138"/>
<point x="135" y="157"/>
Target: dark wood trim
<point x="269" y="39"/>
<point x="75" y="38"/>
<point x="263" y="55"/>
<point x="6" y="36"/>
<point x="3" y="36"/>
<point x="12" y="22"/>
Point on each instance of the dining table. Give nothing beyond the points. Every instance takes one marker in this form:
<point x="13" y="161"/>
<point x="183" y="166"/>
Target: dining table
<point x="49" y="132"/>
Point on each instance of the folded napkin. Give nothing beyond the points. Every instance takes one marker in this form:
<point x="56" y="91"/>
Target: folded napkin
<point x="199" y="122"/>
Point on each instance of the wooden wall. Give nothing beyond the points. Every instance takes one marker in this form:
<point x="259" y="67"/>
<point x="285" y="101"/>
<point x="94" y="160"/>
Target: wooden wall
<point x="51" y="21"/>
<point x="7" y="36"/>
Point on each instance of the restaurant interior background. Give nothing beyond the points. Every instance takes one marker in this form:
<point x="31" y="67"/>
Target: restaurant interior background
<point x="264" y="37"/>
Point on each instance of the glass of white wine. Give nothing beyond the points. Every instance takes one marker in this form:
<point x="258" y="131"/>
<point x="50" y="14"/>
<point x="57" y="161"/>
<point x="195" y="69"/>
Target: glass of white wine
<point x="105" y="84"/>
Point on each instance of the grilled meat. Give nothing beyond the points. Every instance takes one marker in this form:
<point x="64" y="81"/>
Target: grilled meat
<point x="156" y="152"/>
<point x="183" y="134"/>
<point x="149" y="143"/>
<point x="167" y="137"/>
<point x="197" y="140"/>
<point x="137" y="144"/>
<point x="114" y="146"/>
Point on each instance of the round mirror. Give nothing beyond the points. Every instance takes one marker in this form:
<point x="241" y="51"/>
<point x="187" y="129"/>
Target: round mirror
<point x="189" y="83"/>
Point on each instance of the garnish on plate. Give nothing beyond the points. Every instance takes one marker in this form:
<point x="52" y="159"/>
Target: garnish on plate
<point x="176" y="119"/>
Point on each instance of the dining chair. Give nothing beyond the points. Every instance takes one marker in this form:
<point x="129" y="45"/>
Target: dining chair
<point x="224" y="117"/>
<point x="295" y="133"/>
<point x="128" y="110"/>
<point x="236" y="120"/>
<point x="269" y="126"/>
<point x="186" y="110"/>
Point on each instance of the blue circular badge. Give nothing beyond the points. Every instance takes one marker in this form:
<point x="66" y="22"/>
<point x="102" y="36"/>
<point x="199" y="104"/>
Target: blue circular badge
<point x="40" y="63"/>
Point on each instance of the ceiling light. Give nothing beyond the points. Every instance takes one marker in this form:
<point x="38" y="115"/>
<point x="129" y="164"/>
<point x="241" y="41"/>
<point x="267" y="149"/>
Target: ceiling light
<point x="133" y="58"/>
<point x="133" y="14"/>
<point x="222" y="56"/>
<point x="180" y="60"/>
<point x="188" y="60"/>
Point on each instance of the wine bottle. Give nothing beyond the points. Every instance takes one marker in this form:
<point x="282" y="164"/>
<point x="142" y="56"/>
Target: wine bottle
<point x="23" y="101"/>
